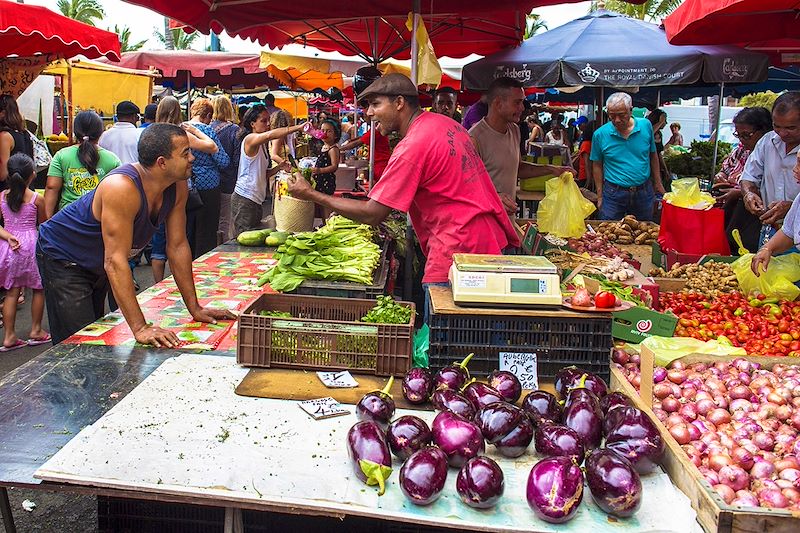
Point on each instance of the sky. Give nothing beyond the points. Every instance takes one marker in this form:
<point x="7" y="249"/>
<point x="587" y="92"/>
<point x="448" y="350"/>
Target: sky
<point x="147" y="22"/>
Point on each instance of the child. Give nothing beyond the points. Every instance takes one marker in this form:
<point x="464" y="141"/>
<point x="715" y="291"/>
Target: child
<point x="328" y="161"/>
<point x="23" y="210"/>
<point x="676" y="139"/>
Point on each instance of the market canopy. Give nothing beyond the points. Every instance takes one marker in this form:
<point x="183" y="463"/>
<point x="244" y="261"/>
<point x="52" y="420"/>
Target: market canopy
<point x="28" y="30"/>
<point x="607" y="49"/>
<point x="374" y="30"/>
<point x="223" y="69"/>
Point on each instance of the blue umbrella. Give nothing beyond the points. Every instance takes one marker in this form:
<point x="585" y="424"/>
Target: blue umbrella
<point x="607" y="49"/>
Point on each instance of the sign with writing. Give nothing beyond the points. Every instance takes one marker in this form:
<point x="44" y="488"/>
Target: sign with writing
<point x="337" y="380"/>
<point x="522" y="365"/>
<point x="323" y="408"/>
<point x="472" y="281"/>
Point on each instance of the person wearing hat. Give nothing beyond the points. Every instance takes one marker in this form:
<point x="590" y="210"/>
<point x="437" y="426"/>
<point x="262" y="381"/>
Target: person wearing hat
<point x="435" y="174"/>
<point x="149" y="115"/>
<point x="123" y="137"/>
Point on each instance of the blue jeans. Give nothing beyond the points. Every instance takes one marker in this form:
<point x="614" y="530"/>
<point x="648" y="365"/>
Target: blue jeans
<point x="159" y="243"/>
<point x="619" y="201"/>
<point x="426" y="314"/>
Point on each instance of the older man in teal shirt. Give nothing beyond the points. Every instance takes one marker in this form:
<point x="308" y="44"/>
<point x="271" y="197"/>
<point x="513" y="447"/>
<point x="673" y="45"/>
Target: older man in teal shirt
<point x="624" y="161"/>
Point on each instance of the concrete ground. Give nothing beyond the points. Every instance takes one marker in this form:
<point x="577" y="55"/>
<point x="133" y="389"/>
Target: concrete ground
<point x="55" y="512"/>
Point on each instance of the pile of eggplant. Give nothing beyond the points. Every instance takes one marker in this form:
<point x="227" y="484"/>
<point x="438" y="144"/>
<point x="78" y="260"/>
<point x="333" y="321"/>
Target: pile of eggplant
<point x="583" y="425"/>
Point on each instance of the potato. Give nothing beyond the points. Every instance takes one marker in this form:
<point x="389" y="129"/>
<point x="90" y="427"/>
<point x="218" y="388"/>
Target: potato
<point x="641" y="238"/>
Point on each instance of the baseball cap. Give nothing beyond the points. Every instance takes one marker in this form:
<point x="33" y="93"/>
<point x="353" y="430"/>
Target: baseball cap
<point x="150" y="111"/>
<point x="393" y="84"/>
<point x="127" y="108"/>
<point x="581" y="120"/>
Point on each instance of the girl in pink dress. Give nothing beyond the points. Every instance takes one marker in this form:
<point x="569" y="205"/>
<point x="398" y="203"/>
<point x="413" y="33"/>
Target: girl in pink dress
<point x="23" y="211"/>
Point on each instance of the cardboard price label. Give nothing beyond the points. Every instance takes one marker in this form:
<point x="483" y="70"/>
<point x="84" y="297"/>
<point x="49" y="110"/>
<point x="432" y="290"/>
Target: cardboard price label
<point x="323" y="408"/>
<point x="522" y="365"/>
<point x="337" y="380"/>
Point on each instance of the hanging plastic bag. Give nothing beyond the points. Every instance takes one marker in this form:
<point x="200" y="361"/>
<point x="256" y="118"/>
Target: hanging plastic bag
<point x="563" y="210"/>
<point x="686" y="193"/>
<point x="667" y="349"/>
<point x="422" y="342"/>
<point x="776" y="282"/>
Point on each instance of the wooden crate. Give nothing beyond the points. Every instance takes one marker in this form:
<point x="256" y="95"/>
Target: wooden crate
<point x="712" y="511"/>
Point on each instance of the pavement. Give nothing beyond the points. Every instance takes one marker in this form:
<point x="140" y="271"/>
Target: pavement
<point x="55" y="512"/>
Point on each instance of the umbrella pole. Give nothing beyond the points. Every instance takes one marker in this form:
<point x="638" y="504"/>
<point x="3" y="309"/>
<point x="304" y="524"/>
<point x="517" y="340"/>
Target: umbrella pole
<point x="70" y="109"/>
<point x="188" y="94"/>
<point x="716" y="130"/>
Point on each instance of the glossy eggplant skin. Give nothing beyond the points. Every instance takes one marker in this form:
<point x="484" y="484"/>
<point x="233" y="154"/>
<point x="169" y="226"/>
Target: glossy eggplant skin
<point x="635" y="437"/>
<point x="555" y="489"/>
<point x="587" y="421"/>
<point x="481" y="394"/>
<point x="423" y="475"/>
<point x="614" y="483"/>
<point x="369" y="454"/>
<point x="453" y="376"/>
<point x="542" y="406"/>
<point x="497" y="419"/>
<point x="612" y="400"/>
<point x="480" y="483"/>
<point x="450" y="400"/>
<point x="376" y="406"/>
<point x="507" y="384"/>
<point x="460" y="439"/>
<point x="565" y="380"/>
<point x="406" y="435"/>
<point x="417" y="385"/>
<point x="516" y="443"/>
<point x="557" y="440"/>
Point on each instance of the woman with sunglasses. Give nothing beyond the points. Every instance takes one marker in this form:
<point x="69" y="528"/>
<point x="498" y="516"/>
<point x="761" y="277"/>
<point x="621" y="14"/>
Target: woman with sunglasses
<point x="750" y="124"/>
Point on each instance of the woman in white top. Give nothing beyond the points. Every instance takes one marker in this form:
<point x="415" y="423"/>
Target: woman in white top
<point x="254" y="168"/>
<point x="556" y="134"/>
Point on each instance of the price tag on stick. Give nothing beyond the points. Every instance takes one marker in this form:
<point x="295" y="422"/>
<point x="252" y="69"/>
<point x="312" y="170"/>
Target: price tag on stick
<point x="522" y="365"/>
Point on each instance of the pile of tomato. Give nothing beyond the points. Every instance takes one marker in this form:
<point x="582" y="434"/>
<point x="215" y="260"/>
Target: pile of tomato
<point x="762" y="326"/>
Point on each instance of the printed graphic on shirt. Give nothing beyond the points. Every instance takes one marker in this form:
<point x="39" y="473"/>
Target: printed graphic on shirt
<point x="80" y="181"/>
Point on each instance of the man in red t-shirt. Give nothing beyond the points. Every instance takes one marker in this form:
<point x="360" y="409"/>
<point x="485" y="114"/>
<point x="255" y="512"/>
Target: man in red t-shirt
<point x="382" y="150"/>
<point x="435" y="174"/>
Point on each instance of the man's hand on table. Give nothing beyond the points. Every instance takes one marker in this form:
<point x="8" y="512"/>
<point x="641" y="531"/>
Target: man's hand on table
<point x="775" y="212"/>
<point x="211" y="315"/>
<point x="155" y="336"/>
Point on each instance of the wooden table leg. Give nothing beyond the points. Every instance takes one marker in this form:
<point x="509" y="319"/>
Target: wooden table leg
<point x="5" y="510"/>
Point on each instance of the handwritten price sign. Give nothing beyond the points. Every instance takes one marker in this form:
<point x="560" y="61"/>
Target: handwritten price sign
<point x="522" y="365"/>
<point x="337" y="380"/>
<point x="323" y="408"/>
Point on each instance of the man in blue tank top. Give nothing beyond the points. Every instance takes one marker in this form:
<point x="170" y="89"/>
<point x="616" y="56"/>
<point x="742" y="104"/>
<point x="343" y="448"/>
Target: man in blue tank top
<point x="85" y="247"/>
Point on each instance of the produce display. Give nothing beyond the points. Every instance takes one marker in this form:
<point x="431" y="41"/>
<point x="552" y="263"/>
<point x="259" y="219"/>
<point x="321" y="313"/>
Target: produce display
<point x="760" y="325"/>
<point x="614" y="441"/>
<point x="738" y="422"/>
<point x="613" y="268"/>
<point x="628" y="231"/>
<point x="377" y="406"/>
<point x="387" y="311"/>
<point x="601" y="300"/>
<point x="709" y="279"/>
<point x="597" y="245"/>
<point x="341" y="250"/>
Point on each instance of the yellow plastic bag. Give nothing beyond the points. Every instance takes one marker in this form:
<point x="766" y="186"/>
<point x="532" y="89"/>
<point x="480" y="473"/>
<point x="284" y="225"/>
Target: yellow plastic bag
<point x="776" y="282"/>
<point x="686" y="193"/>
<point x="563" y="209"/>
<point x="667" y="349"/>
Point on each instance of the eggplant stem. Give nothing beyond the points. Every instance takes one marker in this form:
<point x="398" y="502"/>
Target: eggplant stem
<point x="388" y="386"/>
<point x="468" y="383"/>
<point x="463" y="364"/>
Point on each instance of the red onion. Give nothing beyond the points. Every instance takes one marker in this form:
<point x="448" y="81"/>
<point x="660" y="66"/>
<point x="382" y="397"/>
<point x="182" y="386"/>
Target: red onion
<point x="661" y="390"/>
<point x="705" y="406"/>
<point x="796" y="419"/>
<point x="742" y="365"/>
<point x="722" y="366"/>
<point x="792" y="494"/>
<point x="677" y="364"/>
<point x="660" y="414"/>
<point x="764" y="441"/>
<point x="744" y="378"/>
<point x="670" y="404"/>
<point x="719" y="416"/>
<point x="741" y="404"/>
<point x="734" y="477"/>
<point x="725" y="492"/>
<point x="680" y="433"/>
<point x="716" y="461"/>
<point x="636" y="381"/>
<point x="787" y="462"/>
<point x="620" y="356"/>
<point x="791" y="474"/>
<point x="676" y="376"/>
<point x="659" y="374"/>
<point x="694" y="432"/>
<point x="688" y="411"/>
<point x="673" y="419"/>
<point x="773" y="498"/>
<point x="762" y="470"/>
<point x="703" y="395"/>
<point x="709" y="475"/>
<point x="743" y="458"/>
<point x="721" y="401"/>
<point x="777" y="399"/>
<point x="727" y="441"/>
<point x="745" y="498"/>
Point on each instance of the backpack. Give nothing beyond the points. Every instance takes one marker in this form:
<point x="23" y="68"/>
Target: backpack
<point x="41" y="155"/>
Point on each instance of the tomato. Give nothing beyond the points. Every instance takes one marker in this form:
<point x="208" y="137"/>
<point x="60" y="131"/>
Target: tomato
<point x="604" y="300"/>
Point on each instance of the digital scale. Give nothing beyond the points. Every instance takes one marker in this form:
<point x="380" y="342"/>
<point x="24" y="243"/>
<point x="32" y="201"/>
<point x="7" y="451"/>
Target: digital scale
<point x="504" y="280"/>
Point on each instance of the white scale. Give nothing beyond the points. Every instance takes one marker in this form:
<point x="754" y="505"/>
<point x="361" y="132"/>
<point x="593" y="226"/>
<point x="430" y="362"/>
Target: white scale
<point x="504" y="280"/>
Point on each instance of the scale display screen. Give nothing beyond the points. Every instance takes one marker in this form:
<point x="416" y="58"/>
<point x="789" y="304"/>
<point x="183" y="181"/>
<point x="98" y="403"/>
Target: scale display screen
<point x="528" y="286"/>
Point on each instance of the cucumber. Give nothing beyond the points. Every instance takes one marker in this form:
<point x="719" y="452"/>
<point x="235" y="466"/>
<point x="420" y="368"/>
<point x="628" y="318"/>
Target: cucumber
<point x="253" y="237"/>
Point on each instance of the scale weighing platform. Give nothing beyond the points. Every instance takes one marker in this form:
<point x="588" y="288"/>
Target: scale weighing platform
<point x="504" y="280"/>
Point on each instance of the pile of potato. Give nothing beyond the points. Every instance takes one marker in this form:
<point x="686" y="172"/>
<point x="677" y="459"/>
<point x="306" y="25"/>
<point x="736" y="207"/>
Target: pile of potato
<point x="709" y="278"/>
<point x="628" y="231"/>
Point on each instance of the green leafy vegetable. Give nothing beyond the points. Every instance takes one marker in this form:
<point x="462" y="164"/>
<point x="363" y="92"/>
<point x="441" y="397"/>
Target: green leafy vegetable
<point x="387" y="311"/>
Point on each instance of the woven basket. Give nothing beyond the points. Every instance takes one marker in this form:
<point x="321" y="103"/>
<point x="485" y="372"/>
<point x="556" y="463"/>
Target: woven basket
<point x="293" y="215"/>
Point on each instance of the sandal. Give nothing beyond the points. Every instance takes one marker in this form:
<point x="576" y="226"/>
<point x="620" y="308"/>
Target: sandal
<point x="16" y="346"/>
<point x="40" y="340"/>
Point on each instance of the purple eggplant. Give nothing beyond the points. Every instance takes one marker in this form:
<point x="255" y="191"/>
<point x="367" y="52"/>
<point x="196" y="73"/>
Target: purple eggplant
<point x="417" y="385"/>
<point x="481" y="394"/>
<point x="565" y="380"/>
<point x="611" y="401"/>
<point x="496" y="420"/>
<point x="450" y="400"/>
<point x="423" y="474"/>
<point x="587" y="421"/>
<point x="555" y="489"/>
<point x="453" y="376"/>
<point x="369" y="454"/>
<point x="594" y="383"/>
<point x="636" y="438"/>
<point x="559" y="441"/>
<point x="517" y="441"/>
<point x="458" y="438"/>
<point x="507" y="384"/>
<point x="581" y="395"/>
<point x="542" y="406"/>
<point x="377" y="406"/>
<point x="615" y="416"/>
<point x="406" y="435"/>
<point x="614" y="483"/>
<point x="480" y="482"/>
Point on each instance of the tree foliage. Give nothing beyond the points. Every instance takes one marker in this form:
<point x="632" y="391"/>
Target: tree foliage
<point x="180" y="39"/>
<point x="533" y="25"/>
<point x="85" y="11"/>
<point x="651" y="10"/>
<point x="125" y="44"/>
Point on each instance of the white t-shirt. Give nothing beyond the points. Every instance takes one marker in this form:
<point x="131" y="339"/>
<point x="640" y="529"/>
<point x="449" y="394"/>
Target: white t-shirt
<point x="791" y="224"/>
<point x="252" y="180"/>
<point x="550" y="140"/>
<point x="122" y="140"/>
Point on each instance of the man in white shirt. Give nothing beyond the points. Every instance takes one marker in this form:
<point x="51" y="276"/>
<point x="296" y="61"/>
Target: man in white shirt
<point x="123" y="138"/>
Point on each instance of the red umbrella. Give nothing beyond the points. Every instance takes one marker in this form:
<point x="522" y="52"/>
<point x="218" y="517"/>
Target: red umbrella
<point x="373" y="29"/>
<point x="28" y="30"/>
<point x="744" y="22"/>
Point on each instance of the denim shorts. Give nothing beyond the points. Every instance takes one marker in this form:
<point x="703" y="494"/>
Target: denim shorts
<point x="159" y="243"/>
